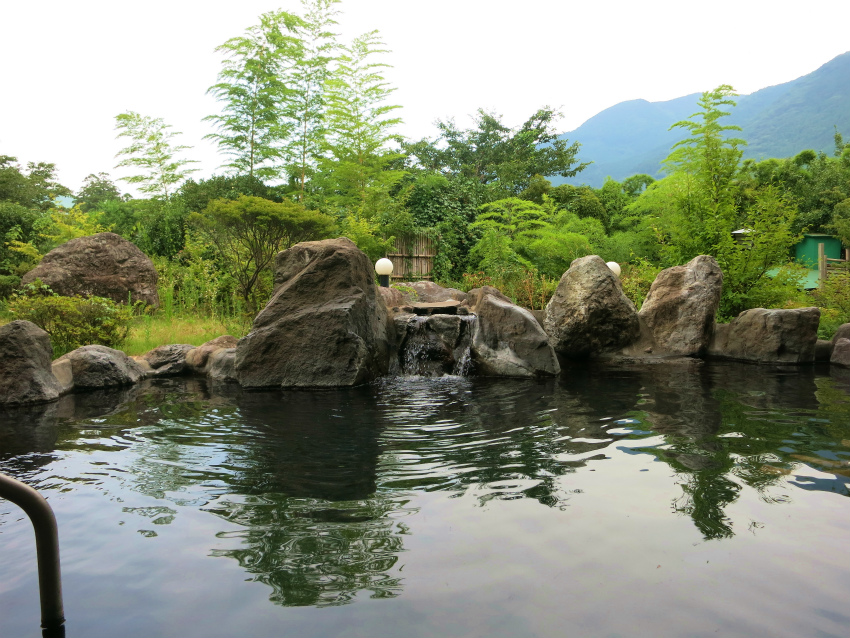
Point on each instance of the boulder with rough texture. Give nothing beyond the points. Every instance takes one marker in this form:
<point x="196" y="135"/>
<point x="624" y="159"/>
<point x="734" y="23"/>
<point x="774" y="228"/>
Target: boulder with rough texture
<point x="768" y="336"/>
<point x="325" y="325"/>
<point x="220" y="365"/>
<point x="589" y="313"/>
<point x="682" y="304"/>
<point x="25" y="370"/>
<point x="102" y="265"/>
<point x="841" y="353"/>
<point x="843" y="332"/>
<point x="198" y="358"/>
<point x="61" y="369"/>
<point x="393" y="298"/>
<point x="101" y="367"/>
<point x="507" y="341"/>
<point x="168" y="360"/>
<point x="428" y="292"/>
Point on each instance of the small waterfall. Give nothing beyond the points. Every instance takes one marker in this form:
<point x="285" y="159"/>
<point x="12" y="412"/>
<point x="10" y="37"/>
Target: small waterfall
<point x="436" y="345"/>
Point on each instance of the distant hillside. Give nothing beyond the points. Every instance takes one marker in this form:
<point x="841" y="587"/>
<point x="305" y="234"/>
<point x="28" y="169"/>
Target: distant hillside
<point x="778" y="121"/>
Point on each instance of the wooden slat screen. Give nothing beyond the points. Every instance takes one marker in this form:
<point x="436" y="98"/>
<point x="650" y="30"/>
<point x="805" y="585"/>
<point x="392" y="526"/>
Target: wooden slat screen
<point x="413" y="258"/>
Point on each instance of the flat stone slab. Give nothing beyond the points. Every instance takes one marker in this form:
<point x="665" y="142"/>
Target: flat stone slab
<point x="448" y="307"/>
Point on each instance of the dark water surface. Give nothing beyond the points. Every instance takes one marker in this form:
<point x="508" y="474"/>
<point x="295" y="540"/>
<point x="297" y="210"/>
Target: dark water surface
<point x="665" y="500"/>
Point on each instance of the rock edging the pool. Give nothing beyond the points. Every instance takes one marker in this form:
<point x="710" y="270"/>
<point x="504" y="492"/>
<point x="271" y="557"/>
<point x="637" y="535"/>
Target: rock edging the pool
<point x="328" y="325"/>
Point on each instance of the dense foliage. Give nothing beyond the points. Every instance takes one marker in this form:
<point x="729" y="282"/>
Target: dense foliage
<point x="72" y="322"/>
<point x="309" y="134"/>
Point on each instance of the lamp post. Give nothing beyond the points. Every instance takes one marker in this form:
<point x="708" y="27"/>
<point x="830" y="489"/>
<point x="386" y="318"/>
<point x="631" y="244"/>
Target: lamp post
<point x="384" y="268"/>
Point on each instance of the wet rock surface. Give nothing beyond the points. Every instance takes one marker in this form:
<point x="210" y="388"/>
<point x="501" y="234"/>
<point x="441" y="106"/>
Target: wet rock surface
<point x="25" y="369"/>
<point x="507" y="339"/>
<point x="768" y="336"/>
<point x="101" y="367"/>
<point x="434" y="345"/>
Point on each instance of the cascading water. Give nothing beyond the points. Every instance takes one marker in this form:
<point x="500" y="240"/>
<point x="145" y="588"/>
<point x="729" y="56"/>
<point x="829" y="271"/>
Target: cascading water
<point x="436" y="345"/>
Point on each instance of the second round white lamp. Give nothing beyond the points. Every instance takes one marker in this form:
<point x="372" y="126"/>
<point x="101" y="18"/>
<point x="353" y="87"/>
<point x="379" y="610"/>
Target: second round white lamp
<point x="384" y="268"/>
<point x="614" y="266"/>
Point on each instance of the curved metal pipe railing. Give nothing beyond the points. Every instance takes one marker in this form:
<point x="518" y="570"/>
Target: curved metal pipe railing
<point x="47" y="550"/>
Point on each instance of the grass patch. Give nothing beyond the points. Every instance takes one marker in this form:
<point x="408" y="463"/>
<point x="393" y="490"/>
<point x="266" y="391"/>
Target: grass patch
<point x="151" y="331"/>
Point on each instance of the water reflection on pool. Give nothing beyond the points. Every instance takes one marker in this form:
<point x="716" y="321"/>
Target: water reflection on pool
<point x="666" y="500"/>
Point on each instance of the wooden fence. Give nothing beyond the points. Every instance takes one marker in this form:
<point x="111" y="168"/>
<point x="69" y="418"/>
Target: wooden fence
<point x="413" y="258"/>
<point x="827" y="265"/>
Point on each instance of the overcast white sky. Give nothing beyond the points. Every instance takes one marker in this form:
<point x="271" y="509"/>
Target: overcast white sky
<point x="69" y="66"/>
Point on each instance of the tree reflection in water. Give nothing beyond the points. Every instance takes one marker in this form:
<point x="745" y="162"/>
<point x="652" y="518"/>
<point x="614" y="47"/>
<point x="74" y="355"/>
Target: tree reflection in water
<point x="316" y="486"/>
<point x="730" y="425"/>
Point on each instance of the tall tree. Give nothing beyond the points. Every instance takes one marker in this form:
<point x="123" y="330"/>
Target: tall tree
<point x="705" y="211"/>
<point x="96" y="190"/>
<point x="704" y="165"/>
<point x="249" y="231"/>
<point x="306" y="105"/>
<point x="494" y="154"/>
<point x="153" y="153"/>
<point x="35" y="188"/>
<point x="252" y="86"/>
<point x="358" y="153"/>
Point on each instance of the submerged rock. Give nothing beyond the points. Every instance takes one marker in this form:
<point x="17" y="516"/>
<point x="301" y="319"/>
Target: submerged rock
<point x="103" y="265"/>
<point x="768" y="336"/>
<point x="589" y="313"/>
<point x="681" y="306"/>
<point x="25" y="371"/>
<point x="325" y="325"/>
<point x="100" y="367"/>
<point x="507" y="341"/>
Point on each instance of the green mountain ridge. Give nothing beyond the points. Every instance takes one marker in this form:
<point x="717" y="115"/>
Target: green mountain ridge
<point x="778" y="121"/>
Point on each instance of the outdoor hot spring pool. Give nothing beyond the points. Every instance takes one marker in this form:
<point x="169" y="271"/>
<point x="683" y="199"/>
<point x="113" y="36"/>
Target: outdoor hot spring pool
<point x="662" y="500"/>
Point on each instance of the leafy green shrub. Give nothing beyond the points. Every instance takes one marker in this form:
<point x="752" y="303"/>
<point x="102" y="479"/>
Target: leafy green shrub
<point x="833" y="298"/>
<point x="637" y="278"/>
<point x="72" y="322"/>
<point x="8" y="283"/>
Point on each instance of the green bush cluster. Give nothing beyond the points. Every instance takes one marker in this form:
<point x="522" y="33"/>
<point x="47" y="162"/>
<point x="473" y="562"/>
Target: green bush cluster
<point x="72" y="322"/>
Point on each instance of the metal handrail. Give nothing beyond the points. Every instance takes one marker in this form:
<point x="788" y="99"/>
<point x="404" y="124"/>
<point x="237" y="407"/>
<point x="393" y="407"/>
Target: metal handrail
<point x="47" y="551"/>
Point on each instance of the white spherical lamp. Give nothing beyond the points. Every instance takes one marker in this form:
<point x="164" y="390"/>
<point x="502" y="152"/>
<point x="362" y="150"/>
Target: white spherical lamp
<point x="384" y="268"/>
<point x="614" y="266"/>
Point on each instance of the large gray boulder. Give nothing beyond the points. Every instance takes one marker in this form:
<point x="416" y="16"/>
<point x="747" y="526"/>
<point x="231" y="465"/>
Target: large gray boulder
<point x="682" y="304"/>
<point x="324" y="326"/>
<point x="25" y="370"/>
<point x="507" y="341"/>
<point x="777" y="336"/>
<point x="101" y="367"/>
<point x="102" y="265"/>
<point x="589" y="313"/>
